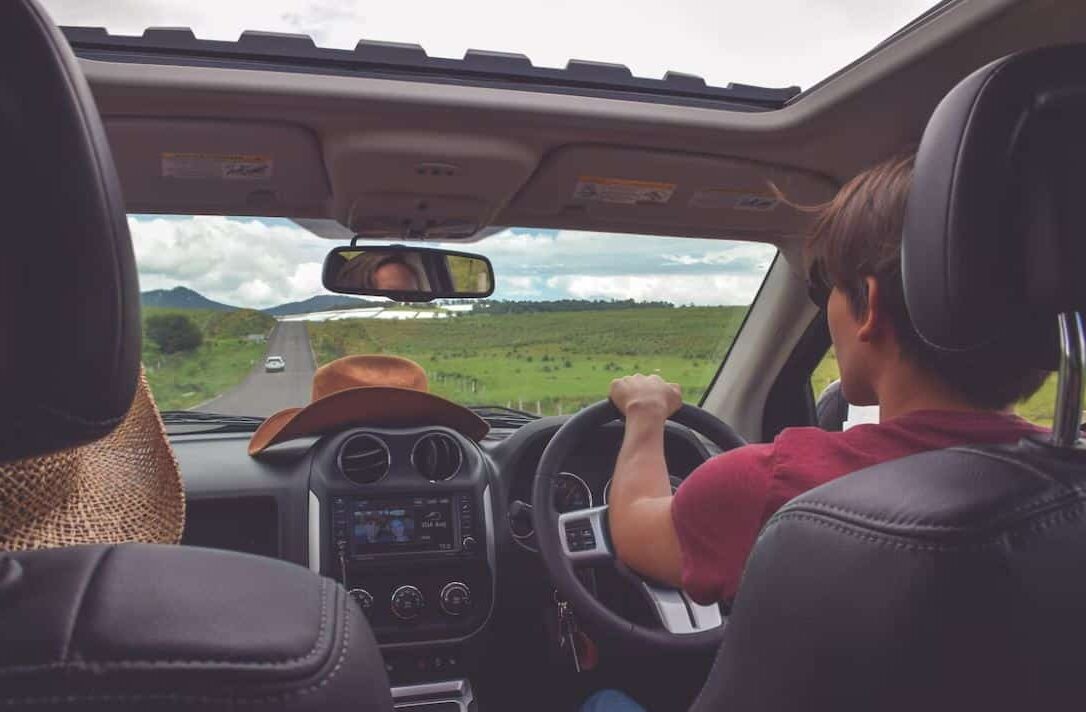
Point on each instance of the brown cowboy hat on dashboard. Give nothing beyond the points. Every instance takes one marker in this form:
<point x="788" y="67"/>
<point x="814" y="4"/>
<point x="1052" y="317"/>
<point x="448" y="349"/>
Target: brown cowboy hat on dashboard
<point x="367" y="390"/>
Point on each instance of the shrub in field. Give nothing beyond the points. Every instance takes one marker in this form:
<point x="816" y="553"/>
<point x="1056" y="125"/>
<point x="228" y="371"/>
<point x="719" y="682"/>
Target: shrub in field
<point x="238" y="324"/>
<point x="173" y="333"/>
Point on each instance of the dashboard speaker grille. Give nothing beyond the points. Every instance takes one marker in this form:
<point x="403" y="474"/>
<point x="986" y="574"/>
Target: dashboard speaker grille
<point x="363" y="459"/>
<point x="437" y="457"/>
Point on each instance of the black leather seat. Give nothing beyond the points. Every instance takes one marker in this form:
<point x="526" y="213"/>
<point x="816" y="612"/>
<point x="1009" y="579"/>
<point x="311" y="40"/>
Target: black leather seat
<point x="130" y="626"/>
<point x="954" y="579"/>
<point x="832" y="408"/>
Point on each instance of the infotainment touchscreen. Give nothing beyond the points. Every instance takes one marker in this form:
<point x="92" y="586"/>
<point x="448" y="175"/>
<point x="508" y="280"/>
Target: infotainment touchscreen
<point x="403" y="524"/>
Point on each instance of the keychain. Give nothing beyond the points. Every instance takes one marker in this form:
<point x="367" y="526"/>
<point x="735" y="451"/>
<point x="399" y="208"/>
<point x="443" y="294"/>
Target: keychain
<point x="583" y="649"/>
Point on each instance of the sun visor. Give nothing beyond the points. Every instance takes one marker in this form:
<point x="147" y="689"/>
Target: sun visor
<point x="219" y="167"/>
<point x="600" y="187"/>
<point x="440" y="186"/>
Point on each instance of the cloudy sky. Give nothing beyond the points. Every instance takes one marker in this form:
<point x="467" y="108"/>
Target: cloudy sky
<point x="260" y="263"/>
<point x="765" y="42"/>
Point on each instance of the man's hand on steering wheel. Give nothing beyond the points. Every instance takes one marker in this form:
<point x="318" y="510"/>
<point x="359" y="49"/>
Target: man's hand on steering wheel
<point x="646" y="395"/>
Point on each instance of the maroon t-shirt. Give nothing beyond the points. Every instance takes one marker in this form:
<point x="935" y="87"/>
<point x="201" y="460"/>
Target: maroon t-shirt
<point x="720" y="508"/>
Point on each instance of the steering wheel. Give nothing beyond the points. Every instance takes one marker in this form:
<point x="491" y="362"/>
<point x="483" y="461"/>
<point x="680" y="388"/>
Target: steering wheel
<point x="582" y="539"/>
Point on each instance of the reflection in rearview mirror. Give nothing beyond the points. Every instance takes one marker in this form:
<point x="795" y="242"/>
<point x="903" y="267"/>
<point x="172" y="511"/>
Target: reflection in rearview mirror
<point x="408" y="274"/>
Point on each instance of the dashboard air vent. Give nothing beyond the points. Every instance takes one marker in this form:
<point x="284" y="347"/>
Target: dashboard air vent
<point x="437" y="457"/>
<point x="363" y="459"/>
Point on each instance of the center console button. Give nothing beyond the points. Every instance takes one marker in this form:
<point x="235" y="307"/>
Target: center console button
<point x="455" y="598"/>
<point x="363" y="598"/>
<point x="407" y="603"/>
<point x="468" y="543"/>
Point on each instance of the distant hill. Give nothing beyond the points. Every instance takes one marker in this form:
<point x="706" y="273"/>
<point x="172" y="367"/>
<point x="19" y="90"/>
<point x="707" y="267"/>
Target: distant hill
<point x="185" y="298"/>
<point x="323" y="302"/>
<point x="181" y="298"/>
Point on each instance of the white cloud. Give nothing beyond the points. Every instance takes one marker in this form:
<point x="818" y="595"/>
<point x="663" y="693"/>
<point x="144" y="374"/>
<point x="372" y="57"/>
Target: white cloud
<point x="306" y="279"/>
<point x="520" y="287"/>
<point x="743" y="255"/>
<point x="255" y="292"/>
<point x="251" y="263"/>
<point x="678" y="289"/>
<point x="262" y="263"/>
<point x="771" y="42"/>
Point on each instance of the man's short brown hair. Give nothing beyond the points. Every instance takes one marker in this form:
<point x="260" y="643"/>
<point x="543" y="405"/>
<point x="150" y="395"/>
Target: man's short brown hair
<point x="858" y="235"/>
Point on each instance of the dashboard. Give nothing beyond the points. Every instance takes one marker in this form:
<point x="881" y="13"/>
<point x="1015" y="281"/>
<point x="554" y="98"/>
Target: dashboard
<point x="401" y="518"/>
<point x="419" y="524"/>
<point x="586" y="477"/>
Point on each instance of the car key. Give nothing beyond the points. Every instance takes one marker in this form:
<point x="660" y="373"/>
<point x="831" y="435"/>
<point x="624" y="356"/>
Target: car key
<point x="567" y="631"/>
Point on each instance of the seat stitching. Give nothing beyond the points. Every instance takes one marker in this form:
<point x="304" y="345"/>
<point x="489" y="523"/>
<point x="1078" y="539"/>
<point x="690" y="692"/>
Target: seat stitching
<point x="1003" y="457"/>
<point x="1035" y="527"/>
<point x="1076" y="495"/>
<point x="1069" y="492"/>
<point x="103" y="665"/>
<point x="199" y="698"/>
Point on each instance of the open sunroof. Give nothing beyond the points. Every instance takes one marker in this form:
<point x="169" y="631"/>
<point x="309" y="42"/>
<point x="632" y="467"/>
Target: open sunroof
<point x="299" y="53"/>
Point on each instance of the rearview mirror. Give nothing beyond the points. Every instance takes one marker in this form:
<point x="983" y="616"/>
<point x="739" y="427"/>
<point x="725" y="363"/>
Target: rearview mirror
<point x="408" y="274"/>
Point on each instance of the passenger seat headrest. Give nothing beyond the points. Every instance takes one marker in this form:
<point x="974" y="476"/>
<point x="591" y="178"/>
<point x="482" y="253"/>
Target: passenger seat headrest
<point x="69" y="297"/>
<point x="994" y="243"/>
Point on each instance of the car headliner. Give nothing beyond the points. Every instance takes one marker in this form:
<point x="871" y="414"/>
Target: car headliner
<point x="346" y="143"/>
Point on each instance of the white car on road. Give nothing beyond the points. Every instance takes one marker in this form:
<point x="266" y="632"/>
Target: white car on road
<point x="274" y="364"/>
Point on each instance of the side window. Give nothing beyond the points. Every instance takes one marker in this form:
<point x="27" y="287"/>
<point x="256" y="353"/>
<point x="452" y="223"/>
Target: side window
<point x="831" y="409"/>
<point x="1041" y="406"/>
<point x="833" y="414"/>
<point x="825" y="373"/>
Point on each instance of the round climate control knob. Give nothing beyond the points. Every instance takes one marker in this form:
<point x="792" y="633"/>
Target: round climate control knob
<point x="455" y="598"/>
<point x="407" y="603"/>
<point x="363" y="598"/>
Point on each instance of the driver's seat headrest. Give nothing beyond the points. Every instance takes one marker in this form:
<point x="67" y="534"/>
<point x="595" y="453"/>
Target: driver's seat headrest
<point x="994" y="242"/>
<point x="69" y="298"/>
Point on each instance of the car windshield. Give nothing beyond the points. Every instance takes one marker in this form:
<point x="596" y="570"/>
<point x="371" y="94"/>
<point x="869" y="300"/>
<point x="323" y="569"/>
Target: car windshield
<point x="236" y="319"/>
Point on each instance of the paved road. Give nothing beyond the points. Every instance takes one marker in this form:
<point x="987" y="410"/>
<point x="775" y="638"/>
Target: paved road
<point x="265" y="393"/>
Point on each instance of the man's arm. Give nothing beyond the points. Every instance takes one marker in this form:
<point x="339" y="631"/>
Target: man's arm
<point x="640" y="500"/>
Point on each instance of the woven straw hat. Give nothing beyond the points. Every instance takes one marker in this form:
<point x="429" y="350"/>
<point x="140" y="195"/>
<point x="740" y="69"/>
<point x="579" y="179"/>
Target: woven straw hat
<point x="367" y="390"/>
<point x="124" y="487"/>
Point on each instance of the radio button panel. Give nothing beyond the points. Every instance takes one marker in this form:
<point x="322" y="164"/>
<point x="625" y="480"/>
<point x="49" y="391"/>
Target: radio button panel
<point x="404" y="539"/>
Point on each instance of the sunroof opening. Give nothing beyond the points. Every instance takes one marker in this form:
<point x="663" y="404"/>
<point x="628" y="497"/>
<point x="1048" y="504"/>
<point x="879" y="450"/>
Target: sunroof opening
<point x="770" y="43"/>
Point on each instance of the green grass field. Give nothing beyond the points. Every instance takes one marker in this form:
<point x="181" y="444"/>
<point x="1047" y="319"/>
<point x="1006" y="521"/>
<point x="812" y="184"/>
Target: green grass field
<point x="182" y="380"/>
<point x="1038" y="409"/>
<point x="546" y="362"/>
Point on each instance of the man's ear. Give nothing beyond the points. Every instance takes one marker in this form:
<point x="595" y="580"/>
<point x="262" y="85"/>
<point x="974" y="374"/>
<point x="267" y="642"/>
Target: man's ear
<point x="871" y="321"/>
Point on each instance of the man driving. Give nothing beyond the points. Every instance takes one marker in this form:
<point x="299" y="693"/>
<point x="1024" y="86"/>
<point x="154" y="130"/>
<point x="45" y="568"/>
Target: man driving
<point x="379" y="269"/>
<point x="395" y="275"/>
<point x="699" y="538"/>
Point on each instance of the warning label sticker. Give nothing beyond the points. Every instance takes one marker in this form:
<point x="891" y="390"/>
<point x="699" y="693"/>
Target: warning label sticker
<point x="223" y="166"/>
<point x="622" y="191"/>
<point x="733" y="199"/>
